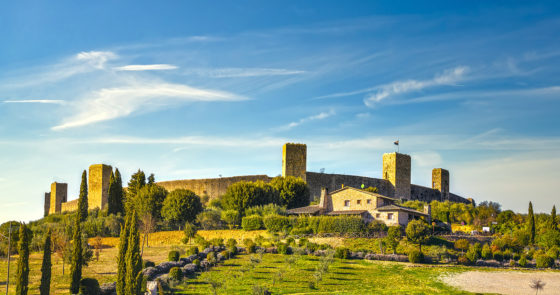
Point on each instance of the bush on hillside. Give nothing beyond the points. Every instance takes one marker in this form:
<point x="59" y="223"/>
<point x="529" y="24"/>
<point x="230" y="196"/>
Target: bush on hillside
<point x="176" y="273"/>
<point x="342" y="253"/>
<point x="522" y="261"/>
<point x="253" y="222"/>
<point x="284" y="249"/>
<point x="544" y="261"/>
<point x="173" y="255"/>
<point x="415" y="256"/>
<point x="192" y="250"/>
<point x="148" y="263"/>
<point x="89" y="286"/>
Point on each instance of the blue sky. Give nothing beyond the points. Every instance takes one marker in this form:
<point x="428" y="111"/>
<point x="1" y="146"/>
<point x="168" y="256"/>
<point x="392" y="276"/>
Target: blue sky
<point x="193" y="89"/>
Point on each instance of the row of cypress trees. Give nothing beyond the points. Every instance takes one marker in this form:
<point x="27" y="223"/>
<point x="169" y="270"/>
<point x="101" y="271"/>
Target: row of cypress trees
<point x="553" y="223"/>
<point x="129" y="272"/>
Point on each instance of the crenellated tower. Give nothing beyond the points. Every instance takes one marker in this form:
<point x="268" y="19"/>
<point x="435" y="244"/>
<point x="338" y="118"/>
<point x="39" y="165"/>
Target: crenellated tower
<point x="396" y="169"/>
<point x="440" y="182"/>
<point x="59" y="195"/>
<point x="98" y="185"/>
<point x="294" y="160"/>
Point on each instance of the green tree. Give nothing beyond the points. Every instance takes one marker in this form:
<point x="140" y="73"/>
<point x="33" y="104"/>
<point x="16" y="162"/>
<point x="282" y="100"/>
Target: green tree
<point x="531" y="224"/>
<point x="553" y="220"/>
<point x="393" y="238"/>
<point x="133" y="276"/>
<point x="417" y="232"/>
<point x="242" y="195"/>
<point x="293" y="191"/>
<point x="137" y="181"/>
<point x="45" y="286"/>
<point x="462" y="244"/>
<point x="115" y="193"/>
<point x="230" y="217"/>
<point x="180" y="206"/>
<point x="149" y="200"/>
<point x="77" y="256"/>
<point x="119" y="193"/>
<point x="83" y="199"/>
<point x="151" y="179"/>
<point x="121" y="257"/>
<point x="23" y="260"/>
<point x="190" y="232"/>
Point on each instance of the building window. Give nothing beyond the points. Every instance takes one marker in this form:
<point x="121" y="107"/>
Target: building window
<point x="347" y="203"/>
<point x="390" y="216"/>
<point x="359" y="202"/>
<point x="369" y="201"/>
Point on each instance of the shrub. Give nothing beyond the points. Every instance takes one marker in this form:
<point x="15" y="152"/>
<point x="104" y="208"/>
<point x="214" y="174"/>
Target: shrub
<point x="232" y="250"/>
<point x="173" y="255"/>
<point x="252" y="248"/>
<point x="201" y="242"/>
<point x="211" y="257"/>
<point x="341" y="224"/>
<point x="89" y="286"/>
<point x="342" y="253"/>
<point x="196" y="262"/>
<point x="415" y="256"/>
<point x="472" y="255"/>
<point x="553" y="252"/>
<point x="284" y="249"/>
<point x="312" y="247"/>
<point x="498" y="256"/>
<point x="300" y="231"/>
<point x="512" y="263"/>
<point x="522" y="261"/>
<point x="148" y="263"/>
<point x="290" y="241"/>
<point x="265" y="210"/>
<point x="225" y="253"/>
<point x="253" y="222"/>
<point x="463" y="260"/>
<point x="486" y="252"/>
<point x="247" y="242"/>
<point x="277" y="223"/>
<point x="231" y="242"/>
<point x="192" y="250"/>
<point x="462" y="244"/>
<point x="302" y="242"/>
<point x="544" y="261"/>
<point x="217" y="242"/>
<point x="176" y="273"/>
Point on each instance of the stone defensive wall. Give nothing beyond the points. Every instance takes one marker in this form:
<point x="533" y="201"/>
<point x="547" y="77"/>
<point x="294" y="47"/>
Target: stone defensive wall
<point x="69" y="206"/>
<point x="332" y="182"/>
<point x="212" y="187"/>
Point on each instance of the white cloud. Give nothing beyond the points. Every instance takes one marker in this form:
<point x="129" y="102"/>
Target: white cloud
<point x="47" y="101"/>
<point x="427" y="159"/>
<point x="112" y="103"/>
<point x="244" y="72"/>
<point x="97" y="59"/>
<point x="449" y="77"/>
<point x="146" y="67"/>
<point x="319" y="116"/>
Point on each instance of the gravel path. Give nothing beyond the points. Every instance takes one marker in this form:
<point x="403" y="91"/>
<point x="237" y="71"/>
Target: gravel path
<point x="504" y="282"/>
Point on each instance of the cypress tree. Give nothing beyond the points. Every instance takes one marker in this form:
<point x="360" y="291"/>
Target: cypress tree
<point x="133" y="259"/>
<point x="45" y="286"/>
<point x="83" y="199"/>
<point x="111" y="195"/>
<point x="121" y="258"/>
<point x="23" y="260"/>
<point x="119" y="194"/>
<point x="553" y="221"/>
<point x="77" y="256"/>
<point x="531" y="221"/>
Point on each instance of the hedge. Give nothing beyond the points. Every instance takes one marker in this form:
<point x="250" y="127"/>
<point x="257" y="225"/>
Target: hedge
<point x="253" y="222"/>
<point x="415" y="256"/>
<point x="544" y="261"/>
<point x="277" y="223"/>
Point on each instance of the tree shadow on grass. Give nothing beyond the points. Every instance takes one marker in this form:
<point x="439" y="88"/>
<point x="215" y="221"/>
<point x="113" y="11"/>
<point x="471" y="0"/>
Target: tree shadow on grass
<point x="345" y="267"/>
<point x="343" y="279"/>
<point x="343" y="273"/>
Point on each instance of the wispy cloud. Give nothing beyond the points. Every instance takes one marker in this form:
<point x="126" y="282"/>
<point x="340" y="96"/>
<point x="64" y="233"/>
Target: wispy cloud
<point x="153" y="67"/>
<point x="320" y="116"/>
<point x="111" y="103"/>
<point x="243" y="72"/>
<point x="449" y="77"/>
<point x="96" y="58"/>
<point x="46" y="101"/>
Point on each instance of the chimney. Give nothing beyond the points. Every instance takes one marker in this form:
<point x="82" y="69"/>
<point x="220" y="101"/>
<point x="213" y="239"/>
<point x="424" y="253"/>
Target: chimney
<point x="323" y="199"/>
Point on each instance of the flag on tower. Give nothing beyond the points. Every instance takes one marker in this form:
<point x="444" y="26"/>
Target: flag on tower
<point x="396" y="142"/>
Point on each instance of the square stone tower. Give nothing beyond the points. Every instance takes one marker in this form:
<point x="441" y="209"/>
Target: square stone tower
<point x="59" y="194"/>
<point x="47" y="203"/>
<point x="294" y="160"/>
<point x="396" y="169"/>
<point x="98" y="185"/>
<point x="440" y="182"/>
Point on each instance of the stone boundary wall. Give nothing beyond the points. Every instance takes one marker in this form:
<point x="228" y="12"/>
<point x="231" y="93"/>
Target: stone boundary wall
<point x="213" y="187"/>
<point x="422" y="193"/>
<point x="69" y="206"/>
<point x="332" y="182"/>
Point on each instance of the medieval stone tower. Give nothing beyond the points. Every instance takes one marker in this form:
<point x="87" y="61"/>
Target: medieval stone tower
<point x="59" y="194"/>
<point x="47" y="203"/>
<point x="396" y="169"/>
<point x="440" y="182"/>
<point x="294" y="160"/>
<point x="98" y="185"/>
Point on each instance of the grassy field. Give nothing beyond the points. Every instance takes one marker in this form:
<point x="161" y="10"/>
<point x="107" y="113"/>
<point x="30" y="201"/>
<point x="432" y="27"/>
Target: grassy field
<point x="279" y="276"/>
